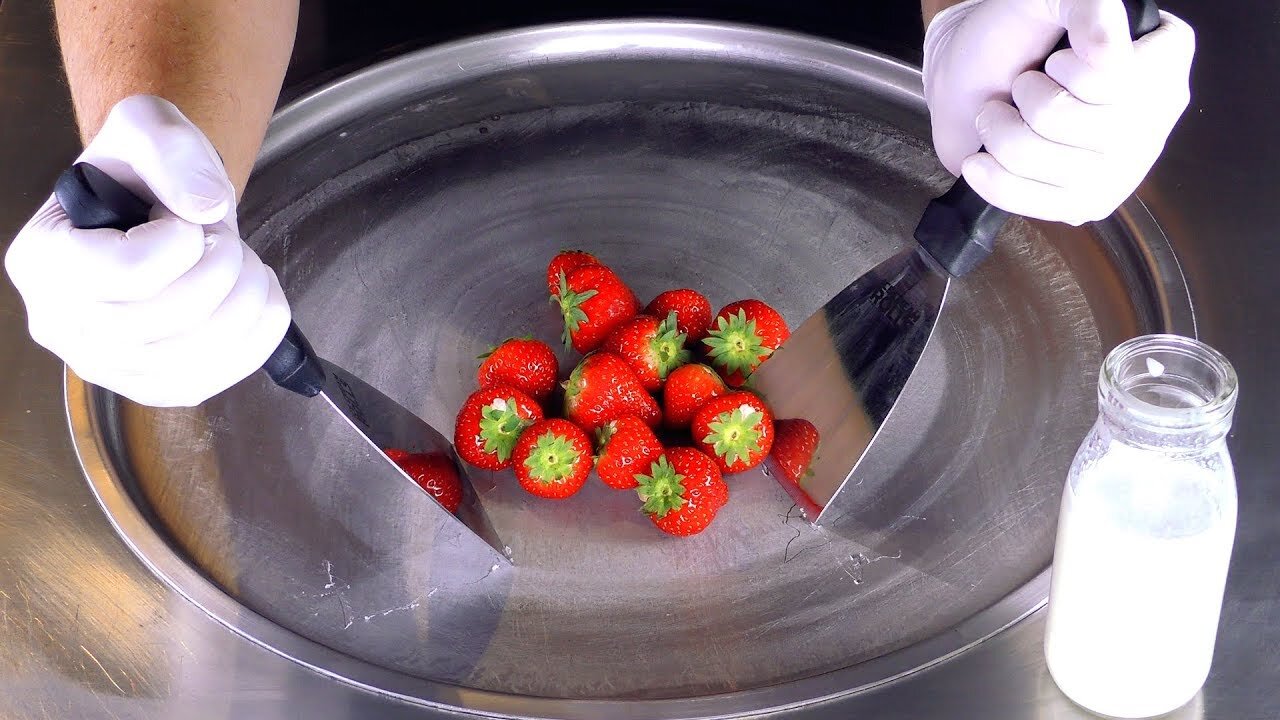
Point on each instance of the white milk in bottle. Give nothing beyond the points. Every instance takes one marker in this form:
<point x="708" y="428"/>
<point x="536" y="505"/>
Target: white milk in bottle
<point x="1145" y="532"/>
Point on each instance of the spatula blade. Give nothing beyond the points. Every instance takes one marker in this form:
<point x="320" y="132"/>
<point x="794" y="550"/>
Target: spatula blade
<point x="385" y="423"/>
<point x="844" y="367"/>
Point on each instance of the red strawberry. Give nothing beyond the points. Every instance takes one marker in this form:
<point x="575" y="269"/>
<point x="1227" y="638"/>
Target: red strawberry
<point x="692" y="309"/>
<point x="627" y="448"/>
<point x="563" y="262"/>
<point x="525" y="364"/>
<point x="603" y="388"/>
<point x="489" y="424"/>
<point x="689" y="388"/>
<point x="593" y="301"/>
<point x="745" y="334"/>
<point x="434" y="472"/>
<point x="652" y="347"/>
<point x="553" y="459"/>
<point x="794" y="444"/>
<point x="682" y="492"/>
<point x="736" y="430"/>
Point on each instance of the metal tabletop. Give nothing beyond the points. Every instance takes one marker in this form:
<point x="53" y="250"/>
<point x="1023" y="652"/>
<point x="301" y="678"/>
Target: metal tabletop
<point x="87" y="631"/>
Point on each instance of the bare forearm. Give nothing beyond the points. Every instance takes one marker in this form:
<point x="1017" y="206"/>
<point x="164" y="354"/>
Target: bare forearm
<point x="929" y="8"/>
<point x="220" y="61"/>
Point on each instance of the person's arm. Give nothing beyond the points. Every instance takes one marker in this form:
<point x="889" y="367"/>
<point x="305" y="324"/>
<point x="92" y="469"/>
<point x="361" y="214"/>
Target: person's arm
<point x="221" y="62"/>
<point x="929" y="8"/>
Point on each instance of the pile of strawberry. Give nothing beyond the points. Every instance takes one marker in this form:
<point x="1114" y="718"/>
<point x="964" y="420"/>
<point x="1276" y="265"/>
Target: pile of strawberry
<point x="640" y="379"/>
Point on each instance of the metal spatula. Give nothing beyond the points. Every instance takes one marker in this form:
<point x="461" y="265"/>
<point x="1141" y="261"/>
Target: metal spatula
<point x="844" y="367"/>
<point x="93" y="199"/>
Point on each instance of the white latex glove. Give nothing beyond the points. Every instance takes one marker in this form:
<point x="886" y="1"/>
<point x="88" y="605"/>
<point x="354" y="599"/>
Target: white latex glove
<point x="1078" y="138"/>
<point x="175" y="310"/>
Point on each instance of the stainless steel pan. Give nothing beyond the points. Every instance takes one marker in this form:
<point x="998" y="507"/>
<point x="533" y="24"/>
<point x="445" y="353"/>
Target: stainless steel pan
<point x="410" y="209"/>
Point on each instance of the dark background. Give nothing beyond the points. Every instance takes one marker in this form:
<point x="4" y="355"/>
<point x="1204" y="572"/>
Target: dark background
<point x="335" y="35"/>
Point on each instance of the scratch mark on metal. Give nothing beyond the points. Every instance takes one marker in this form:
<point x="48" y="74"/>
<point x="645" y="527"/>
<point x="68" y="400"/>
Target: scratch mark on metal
<point x="347" y="614"/>
<point x="47" y="634"/>
<point x="859" y="561"/>
<point x="409" y="606"/>
<point x="132" y="686"/>
<point x="786" y="520"/>
<point x="878" y="558"/>
<point x="486" y="575"/>
<point x="103" y="669"/>
<point x="184" y="647"/>
<point x="328" y="568"/>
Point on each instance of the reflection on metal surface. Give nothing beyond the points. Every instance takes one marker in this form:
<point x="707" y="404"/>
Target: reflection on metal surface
<point x="386" y="424"/>
<point x="844" y="368"/>
<point x="410" y="208"/>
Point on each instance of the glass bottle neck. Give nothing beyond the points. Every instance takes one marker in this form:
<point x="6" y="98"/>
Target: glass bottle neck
<point x="1167" y="392"/>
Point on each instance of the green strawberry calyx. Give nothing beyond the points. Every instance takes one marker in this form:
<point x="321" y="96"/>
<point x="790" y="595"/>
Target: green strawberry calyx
<point x="667" y="346"/>
<point x="605" y="434"/>
<point x="735" y="434"/>
<point x="552" y="459"/>
<point x="572" y="387"/>
<point x="500" y="427"/>
<point x="662" y="490"/>
<point x="571" y="308"/>
<point x="735" y="344"/>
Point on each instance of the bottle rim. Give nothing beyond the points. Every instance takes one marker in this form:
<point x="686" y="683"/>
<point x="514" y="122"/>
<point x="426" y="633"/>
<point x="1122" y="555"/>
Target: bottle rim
<point x="1213" y="410"/>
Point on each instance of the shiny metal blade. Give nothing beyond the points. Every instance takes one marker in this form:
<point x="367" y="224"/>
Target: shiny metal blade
<point x="385" y="424"/>
<point x="844" y="367"/>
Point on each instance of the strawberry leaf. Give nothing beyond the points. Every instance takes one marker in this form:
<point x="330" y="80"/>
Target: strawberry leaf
<point x="500" y="427"/>
<point x="661" y="490"/>
<point x="552" y="459"/>
<point x="605" y="434"/>
<point x="571" y="309"/>
<point x="735" y="345"/>
<point x="735" y="434"/>
<point x="668" y="347"/>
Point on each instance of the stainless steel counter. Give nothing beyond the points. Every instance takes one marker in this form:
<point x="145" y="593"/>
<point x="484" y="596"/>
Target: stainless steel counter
<point x="86" y="631"/>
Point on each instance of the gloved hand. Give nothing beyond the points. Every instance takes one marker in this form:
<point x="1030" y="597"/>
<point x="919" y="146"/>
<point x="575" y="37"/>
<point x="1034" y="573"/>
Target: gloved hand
<point x="175" y="310"/>
<point x="1078" y="138"/>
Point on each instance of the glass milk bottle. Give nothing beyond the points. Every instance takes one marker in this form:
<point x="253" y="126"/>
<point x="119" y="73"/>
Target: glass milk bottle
<point x="1145" y="532"/>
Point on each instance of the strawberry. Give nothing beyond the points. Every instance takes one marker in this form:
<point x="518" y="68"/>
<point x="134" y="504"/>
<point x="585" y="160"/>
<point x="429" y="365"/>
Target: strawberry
<point x="434" y="472"/>
<point x="652" y="347"/>
<point x="593" y="301"/>
<point x="525" y="364"/>
<point x="692" y="309"/>
<point x="627" y="448"/>
<point x="688" y="388"/>
<point x="745" y="334"/>
<point x="736" y="430"/>
<point x="563" y="262"/>
<point x="603" y="388"/>
<point x="682" y="492"/>
<point x="553" y="459"/>
<point x="489" y="424"/>
<point x="794" y="444"/>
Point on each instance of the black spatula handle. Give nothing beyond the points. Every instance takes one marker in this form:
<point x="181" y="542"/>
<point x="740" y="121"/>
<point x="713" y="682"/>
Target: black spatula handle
<point x="93" y="199"/>
<point x="959" y="228"/>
